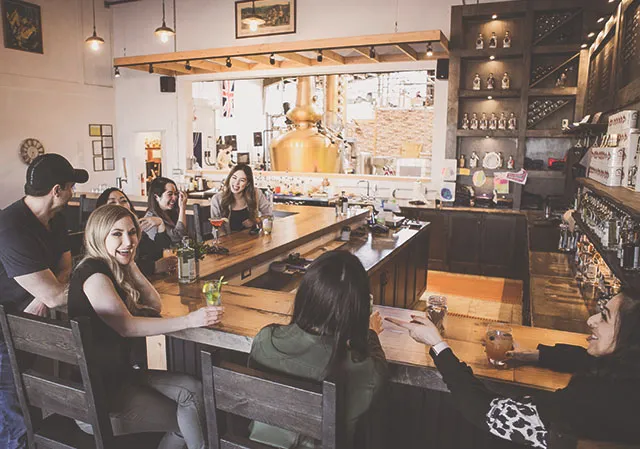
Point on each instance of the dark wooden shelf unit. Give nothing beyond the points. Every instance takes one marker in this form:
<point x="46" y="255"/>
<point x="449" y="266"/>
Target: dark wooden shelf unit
<point x="586" y="129"/>
<point x="559" y="48"/>
<point x="627" y="277"/>
<point x="625" y="199"/>
<point x="547" y="174"/>
<point x="495" y="93"/>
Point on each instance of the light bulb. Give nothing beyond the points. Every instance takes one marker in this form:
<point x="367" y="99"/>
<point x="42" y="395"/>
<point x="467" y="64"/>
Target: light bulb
<point x="164" y="38"/>
<point x="253" y="26"/>
<point x="95" y="45"/>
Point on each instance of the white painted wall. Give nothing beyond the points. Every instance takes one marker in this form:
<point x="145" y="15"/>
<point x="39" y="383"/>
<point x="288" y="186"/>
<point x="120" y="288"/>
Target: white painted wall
<point x="54" y="97"/>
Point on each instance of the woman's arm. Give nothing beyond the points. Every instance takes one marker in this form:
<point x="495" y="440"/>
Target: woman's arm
<point x="264" y="205"/>
<point x="105" y="301"/>
<point x="564" y="358"/>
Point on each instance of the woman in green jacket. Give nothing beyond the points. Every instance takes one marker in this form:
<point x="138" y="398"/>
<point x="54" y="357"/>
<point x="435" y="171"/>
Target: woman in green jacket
<point x="331" y="331"/>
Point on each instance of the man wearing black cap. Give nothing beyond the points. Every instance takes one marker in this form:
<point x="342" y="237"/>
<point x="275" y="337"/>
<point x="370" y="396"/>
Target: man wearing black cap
<point x="35" y="264"/>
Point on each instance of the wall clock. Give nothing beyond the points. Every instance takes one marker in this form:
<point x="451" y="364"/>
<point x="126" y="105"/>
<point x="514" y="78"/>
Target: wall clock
<point x="30" y="149"/>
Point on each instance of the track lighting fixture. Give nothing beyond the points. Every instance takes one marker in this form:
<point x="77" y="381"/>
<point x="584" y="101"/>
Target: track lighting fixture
<point x="164" y="32"/>
<point x="272" y="59"/>
<point x="187" y="66"/>
<point x="94" y="41"/>
<point x="150" y="68"/>
<point x="116" y="72"/>
<point x="319" y="57"/>
<point x="429" y="50"/>
<point x="372" y="52"/>
<point x="228" y="63"/>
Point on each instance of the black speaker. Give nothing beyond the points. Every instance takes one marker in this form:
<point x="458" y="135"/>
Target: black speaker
<point x="167" y="84"/>
<point x="442" y="69"/>
<point x="257" y="139"/>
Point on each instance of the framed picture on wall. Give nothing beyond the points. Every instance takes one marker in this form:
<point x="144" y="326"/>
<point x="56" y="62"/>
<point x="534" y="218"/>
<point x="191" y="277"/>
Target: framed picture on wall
<point x="97" y="147"/>
<point x="265" y="17"/>
<point x="107" y="153"/>
<point x="22" y="25"/>
<point x="107" y="130"/>
<point x="97" y="163"/>
<point x="109" y="165"/>
<point x="95" y="131"/>
<point x="107" y="141"/>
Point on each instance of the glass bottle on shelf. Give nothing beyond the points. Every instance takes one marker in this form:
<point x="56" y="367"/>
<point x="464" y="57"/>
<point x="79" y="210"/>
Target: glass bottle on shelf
<point x="493" y="41"/>
<point x="465" y="121"/>
<point x="506" y="43"/>
<point x="484" y="122"/>
<point x="477" y="82"/>
<point x="502" y="121"/>
<point x="491" y="82"/>
<point x="480" y="42"/>
<point x="506" y="81"/>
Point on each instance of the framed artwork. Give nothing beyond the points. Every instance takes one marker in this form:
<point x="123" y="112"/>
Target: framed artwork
<point x="107" y="130"/>
<point x="109" y="165"/>
<point x="107" y="141"/>
<point x="97" y="163"/>
<point x="279" y="17"/>
<point x="97" y="147"/>
<point x="107" y="153"/>
<point x="22" y="25"/>
<point x="95" y="131"/>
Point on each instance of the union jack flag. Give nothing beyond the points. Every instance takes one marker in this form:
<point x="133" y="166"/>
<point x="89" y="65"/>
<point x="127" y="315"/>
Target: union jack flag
<point x="228" y="98"/>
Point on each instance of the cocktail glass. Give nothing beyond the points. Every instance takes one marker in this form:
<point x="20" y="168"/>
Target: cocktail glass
<point x="267" y="224"/>
<point x="212" y="292"/>
<point x="216" y="223"/>
<point x="498" y="341"/>
<point x="437" y="311"/>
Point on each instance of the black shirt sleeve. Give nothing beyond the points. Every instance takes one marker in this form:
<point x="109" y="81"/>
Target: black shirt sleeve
<point x="20" y="253"/>
<point x="564" y="358"/>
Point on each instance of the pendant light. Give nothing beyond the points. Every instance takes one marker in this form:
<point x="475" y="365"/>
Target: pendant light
<point x="94" y="41"/>
<point x="164" y="32"/>
<point x="253" y="20"/>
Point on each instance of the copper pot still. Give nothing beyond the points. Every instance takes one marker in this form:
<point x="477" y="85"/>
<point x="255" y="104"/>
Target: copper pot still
<point x="304" y="149"/>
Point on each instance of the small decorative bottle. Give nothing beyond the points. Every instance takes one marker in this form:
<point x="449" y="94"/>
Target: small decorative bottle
<point x="511" y="163"/>
<point x="502" y="121"/>
<point x="491" y="82"/>
<point x="465" y="121"/>
<point x="477" y="82"/>
<point x="187" y="269"/>
<point x="462" y="161"/>
<point x="480" y="42"/>
<point x="474" y="121"/>
<point x="506" y="43"/>
<point x="562" y="80"/>
<point x="473" y="160"/>
<point x="484" y="123"/>
<point x="493" y="41"/>
<point x="513" y="122"/>
<point x="506" y="81"/>
<point x="500" y="160"/>
<point x="493" y="121"/>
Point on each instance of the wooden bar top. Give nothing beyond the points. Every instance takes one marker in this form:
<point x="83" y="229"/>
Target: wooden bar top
<point x="247" y="310"/>
<point x="245" y="250"/>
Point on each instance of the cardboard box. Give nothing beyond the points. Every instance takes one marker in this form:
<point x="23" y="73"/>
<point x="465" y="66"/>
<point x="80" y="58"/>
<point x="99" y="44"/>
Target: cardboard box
<point x="609" y="156"/>
<point x="622" y="121"/>
<point x="611" y="177"/>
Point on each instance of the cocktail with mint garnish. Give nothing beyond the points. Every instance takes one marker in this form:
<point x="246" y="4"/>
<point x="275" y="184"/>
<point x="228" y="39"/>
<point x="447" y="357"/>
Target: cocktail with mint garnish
<point x="212" y="292"/>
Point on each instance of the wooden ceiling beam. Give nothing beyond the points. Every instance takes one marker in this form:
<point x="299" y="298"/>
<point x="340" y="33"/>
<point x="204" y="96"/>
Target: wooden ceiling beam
<point x="156" y="70"/>
<point x="333" y="56"/>
<point x="177" y="67"/>
<point x="262" y="60"/>
<point x="295" y="57"/>
<point x="408" y="50"/>
<point x="365" y="51"/>
<point x="290" y="47"/>
<point x="207" y="66"/>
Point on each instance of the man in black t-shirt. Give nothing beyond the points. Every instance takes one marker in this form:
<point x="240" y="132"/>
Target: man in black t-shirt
<point x="35" y="264"/>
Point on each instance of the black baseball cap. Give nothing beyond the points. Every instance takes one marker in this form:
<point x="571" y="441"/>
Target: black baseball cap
<point x="50" y="169"/>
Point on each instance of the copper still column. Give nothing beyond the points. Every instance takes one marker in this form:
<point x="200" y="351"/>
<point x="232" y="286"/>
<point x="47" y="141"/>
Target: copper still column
<point x="304" y="149"/>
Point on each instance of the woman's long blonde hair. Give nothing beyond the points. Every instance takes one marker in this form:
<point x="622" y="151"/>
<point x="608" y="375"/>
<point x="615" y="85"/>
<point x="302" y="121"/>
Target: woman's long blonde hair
<point x="98" y="227"/>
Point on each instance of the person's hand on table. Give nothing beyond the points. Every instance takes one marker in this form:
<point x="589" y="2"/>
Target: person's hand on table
<point x="375" y="322"/>
<point x="421" y="329"/>
<point x="206" y="316"/>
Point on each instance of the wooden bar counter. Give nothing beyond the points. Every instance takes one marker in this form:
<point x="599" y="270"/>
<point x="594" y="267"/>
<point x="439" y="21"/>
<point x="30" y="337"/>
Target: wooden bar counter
<point x="247" y="310"/>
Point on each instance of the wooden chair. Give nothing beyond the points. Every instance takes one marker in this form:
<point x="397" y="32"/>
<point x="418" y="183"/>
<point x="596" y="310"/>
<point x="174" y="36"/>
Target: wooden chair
<point x="310" y="409"/>
<point x="62" y="399"/>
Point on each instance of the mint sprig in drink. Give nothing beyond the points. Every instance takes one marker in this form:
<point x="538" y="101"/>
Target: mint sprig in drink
<point x="212" y="292"/>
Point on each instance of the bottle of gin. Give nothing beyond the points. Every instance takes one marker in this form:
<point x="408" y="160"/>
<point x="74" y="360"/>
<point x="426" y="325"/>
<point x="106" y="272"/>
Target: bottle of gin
<point x="344" y="204"/>
<point x="187" y="271"/>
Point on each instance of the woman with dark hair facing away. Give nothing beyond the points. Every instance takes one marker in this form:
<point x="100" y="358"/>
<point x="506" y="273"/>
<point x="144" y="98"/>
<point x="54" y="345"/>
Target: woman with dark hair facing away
<point x="108" y="288"/>
<point x="239" y="202"/>
<point x="168" y="204"/>
<point x="332" y="331"/>
<point x="149" y="255"/>
<point x="600" y="403"/>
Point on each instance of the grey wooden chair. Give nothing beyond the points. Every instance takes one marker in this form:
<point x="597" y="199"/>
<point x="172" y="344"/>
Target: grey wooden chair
<point x="62" y="399"/>
<point x="311" y="409"/>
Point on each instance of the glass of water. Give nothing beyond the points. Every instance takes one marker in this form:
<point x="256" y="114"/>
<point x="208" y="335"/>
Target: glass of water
<point x="437" y="311"/>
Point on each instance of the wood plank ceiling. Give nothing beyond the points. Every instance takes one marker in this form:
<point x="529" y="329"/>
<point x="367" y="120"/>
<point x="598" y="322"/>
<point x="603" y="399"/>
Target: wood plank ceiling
<point x="373" y="49"/>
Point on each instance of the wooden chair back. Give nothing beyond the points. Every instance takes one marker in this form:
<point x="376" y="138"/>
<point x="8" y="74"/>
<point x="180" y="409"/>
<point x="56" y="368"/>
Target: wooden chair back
<point x="203" y="229"/>
<point x="67" y="342"/>
<point x="310" y="409"/>
<point x="87" y="205"/>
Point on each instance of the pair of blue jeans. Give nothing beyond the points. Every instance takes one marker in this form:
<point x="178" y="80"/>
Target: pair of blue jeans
<point x="13" y="432"/>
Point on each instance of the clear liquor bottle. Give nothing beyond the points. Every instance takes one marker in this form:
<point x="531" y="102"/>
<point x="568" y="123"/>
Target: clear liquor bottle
<point x="187" y="269"/>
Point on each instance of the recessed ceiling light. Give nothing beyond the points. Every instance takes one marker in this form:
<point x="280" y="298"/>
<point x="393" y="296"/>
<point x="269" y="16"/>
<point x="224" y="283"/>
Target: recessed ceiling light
<point x="601" y="19"/>
<point x="489" y="97"/>
<point x="494" y="17"/>
<point x="492" y="57"/>
<point x="584" y="46"/>
<point x="590" y="35"/>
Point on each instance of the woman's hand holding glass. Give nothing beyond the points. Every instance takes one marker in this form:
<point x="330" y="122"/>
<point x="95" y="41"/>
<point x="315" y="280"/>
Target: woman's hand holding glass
<point x="205" y="316"/>
<point x="375" y="322"/>
<point x="421" y="329"/>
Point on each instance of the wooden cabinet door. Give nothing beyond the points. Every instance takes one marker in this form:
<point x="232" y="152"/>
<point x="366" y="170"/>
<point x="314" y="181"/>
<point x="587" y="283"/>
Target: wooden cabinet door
<point x="438" y="239"/>
<point x="464" y="242"/>
<point x="497" y="247"/>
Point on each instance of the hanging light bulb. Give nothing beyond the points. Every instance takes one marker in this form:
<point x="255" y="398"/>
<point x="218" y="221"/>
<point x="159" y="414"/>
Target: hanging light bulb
<point x="94" y="41"/>
<point x="228" y="63"/>
<point x="272" y="59"/>
<point x="164" y="32"/>
<point x="253" y="20"/>
<point x="429" y="49"/>
<point x="116" y="72"/>
<point x="319" y="57"/>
